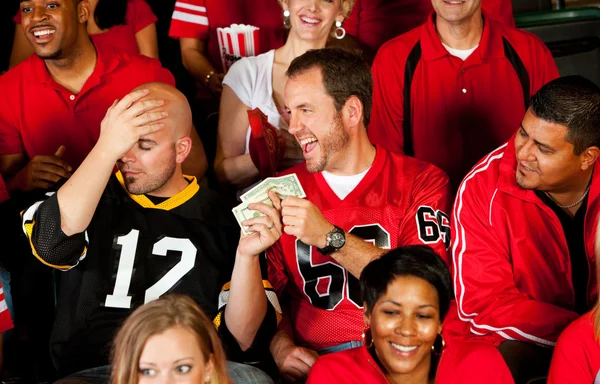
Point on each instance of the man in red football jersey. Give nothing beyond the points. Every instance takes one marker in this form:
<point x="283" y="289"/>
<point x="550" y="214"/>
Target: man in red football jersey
<point x="360" y="200"/>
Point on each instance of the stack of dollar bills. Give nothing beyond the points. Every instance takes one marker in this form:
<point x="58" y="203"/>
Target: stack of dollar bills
<point x="283" y="186"/>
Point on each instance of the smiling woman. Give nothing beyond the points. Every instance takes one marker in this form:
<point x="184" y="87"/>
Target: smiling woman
<point x="406" y="295"/>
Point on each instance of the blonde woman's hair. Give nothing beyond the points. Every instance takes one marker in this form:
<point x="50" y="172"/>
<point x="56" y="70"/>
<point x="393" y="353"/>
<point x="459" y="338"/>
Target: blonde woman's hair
<point x="347" y="6"/>
<point x="156" y="317"/>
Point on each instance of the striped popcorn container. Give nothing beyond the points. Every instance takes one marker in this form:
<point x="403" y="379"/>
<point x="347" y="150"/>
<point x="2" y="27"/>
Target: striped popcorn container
<point x="237" y="41"/>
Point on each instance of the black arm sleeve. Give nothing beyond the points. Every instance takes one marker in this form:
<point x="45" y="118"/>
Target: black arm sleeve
<point x="41" y="223"/>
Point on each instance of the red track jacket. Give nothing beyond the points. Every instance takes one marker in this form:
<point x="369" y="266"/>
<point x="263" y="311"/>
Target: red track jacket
<point x="511" y="265"/>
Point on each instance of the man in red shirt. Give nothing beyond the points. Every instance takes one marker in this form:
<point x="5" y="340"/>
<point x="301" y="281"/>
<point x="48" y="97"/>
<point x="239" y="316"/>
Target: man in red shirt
<point x="453" y="89"/>
<point x="356" y="205"/>
<point x="374" y="22"/>
<point x="54" y="101"/>
<point x="524" y="230"/>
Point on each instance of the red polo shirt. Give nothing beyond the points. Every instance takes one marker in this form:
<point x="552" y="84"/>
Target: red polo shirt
<point x="374" y="22"/>
<point x="138" y="16"/>
<point x="41" y="115"/>
<point x="460" y="110"/>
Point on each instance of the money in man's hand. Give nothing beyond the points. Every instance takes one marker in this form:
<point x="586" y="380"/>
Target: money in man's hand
<point x="284" y="186"/>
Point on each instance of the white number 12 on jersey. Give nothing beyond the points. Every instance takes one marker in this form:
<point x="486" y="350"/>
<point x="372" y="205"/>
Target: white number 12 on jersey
<point x="120" y="297"/>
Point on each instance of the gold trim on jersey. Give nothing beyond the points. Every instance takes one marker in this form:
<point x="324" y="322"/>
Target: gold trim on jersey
<point x="28" y="224"/>
<point x="224" y="298"/>
<point x="172" y="202"/>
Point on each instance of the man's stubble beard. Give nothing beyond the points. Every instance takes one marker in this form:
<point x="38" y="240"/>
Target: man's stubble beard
<point x="334" y="141"/>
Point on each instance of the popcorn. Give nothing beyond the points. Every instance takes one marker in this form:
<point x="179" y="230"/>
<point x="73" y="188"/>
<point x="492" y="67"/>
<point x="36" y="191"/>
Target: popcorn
<point x="237" y="41"/>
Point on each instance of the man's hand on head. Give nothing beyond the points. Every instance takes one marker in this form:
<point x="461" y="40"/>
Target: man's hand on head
<point x="127" y="120"/>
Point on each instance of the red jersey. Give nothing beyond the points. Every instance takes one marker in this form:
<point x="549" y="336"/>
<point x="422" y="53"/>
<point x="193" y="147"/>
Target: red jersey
<point x="576" y="358"/>
<point x="400" y="201"/>
<point x="41" y="115"/>
<point x="199" y="19"/>
<point x="374" y="22"/>
<point x="512" y="268"/>
<point x="138" y="16"/>
<point x="459" y="110"/>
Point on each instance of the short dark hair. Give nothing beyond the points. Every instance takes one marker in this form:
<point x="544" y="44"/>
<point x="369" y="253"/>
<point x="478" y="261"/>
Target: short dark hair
<point x="345" y="74"/>
<point x="417" y="260"/>
<point x="572" y="101"/>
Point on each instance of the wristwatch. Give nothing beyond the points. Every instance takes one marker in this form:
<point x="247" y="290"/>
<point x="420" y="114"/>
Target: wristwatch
<point x="335" y="241"/>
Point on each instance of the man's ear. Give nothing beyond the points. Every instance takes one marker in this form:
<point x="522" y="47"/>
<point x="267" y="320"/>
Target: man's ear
<point x="353" y="112"/>
<point x="183" y="147"/>
<point x="83" y="11"/>
<point x="589" y="157"/>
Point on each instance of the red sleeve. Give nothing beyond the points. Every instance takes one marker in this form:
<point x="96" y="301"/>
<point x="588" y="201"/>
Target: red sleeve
<point x="427" y="220"/>
<point x="189" y="19"/>
<point x="17" y="18"/>
<point x="6" y="322"/>
<point x="139" y="15"/>
<point x="387" y="114"/>
<point x="487" y="296"/>
<point x="572" y="360"/>
<point x="276" y="268"/>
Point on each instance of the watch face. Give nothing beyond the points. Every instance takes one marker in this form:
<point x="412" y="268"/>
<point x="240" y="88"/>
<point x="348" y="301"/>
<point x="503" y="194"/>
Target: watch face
<point x="337" y="240"/>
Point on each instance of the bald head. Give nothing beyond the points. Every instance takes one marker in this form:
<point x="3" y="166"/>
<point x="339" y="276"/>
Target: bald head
<point x="179" y="120"/>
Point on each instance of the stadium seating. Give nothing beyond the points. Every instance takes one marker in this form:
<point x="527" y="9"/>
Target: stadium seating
<point x="572" y="35"/>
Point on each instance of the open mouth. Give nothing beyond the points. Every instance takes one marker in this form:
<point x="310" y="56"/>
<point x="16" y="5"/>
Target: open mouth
<point x="404" y="348"/>
<point x="308" y="144"/>
<point x="454" y="2"/>
<point x="309" y="20"/>
<point x="526" y="169"/>
<point x="43" y="35"/>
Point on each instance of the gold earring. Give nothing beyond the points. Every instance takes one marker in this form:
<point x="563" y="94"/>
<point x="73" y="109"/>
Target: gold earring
<point x="438" y="345"/>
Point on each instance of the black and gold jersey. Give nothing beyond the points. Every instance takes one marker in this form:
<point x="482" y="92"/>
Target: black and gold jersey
<point x="133" y="252"/>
